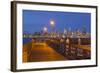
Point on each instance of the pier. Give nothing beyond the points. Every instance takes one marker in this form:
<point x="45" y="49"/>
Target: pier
<point x="56" y="49"/>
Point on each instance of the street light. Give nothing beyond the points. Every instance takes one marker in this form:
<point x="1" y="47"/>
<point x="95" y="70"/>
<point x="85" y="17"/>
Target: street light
<point x="45" y="29"/>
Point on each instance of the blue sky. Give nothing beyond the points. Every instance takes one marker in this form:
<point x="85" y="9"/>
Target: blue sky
<point x="35" y="21"/>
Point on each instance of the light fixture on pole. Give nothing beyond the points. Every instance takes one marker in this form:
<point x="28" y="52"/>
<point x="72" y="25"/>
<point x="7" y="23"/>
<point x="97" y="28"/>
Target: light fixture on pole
<point x="45" y="29"/>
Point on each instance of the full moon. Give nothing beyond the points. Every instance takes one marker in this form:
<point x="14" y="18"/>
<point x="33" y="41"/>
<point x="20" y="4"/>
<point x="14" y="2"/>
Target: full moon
<point x="52" y="22"/>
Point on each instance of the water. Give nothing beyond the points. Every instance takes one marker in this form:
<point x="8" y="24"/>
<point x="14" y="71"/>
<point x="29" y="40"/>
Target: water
<point x="26" y="40"/>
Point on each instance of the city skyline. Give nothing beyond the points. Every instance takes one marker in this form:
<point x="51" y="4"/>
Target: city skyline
<point x="36" y="21"/>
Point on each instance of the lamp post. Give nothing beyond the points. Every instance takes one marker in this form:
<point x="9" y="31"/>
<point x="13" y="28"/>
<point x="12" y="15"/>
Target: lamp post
<point x="45" y="29"/>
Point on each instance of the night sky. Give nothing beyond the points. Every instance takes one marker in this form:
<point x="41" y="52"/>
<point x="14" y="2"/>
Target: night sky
<point x="35" y="21"/>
